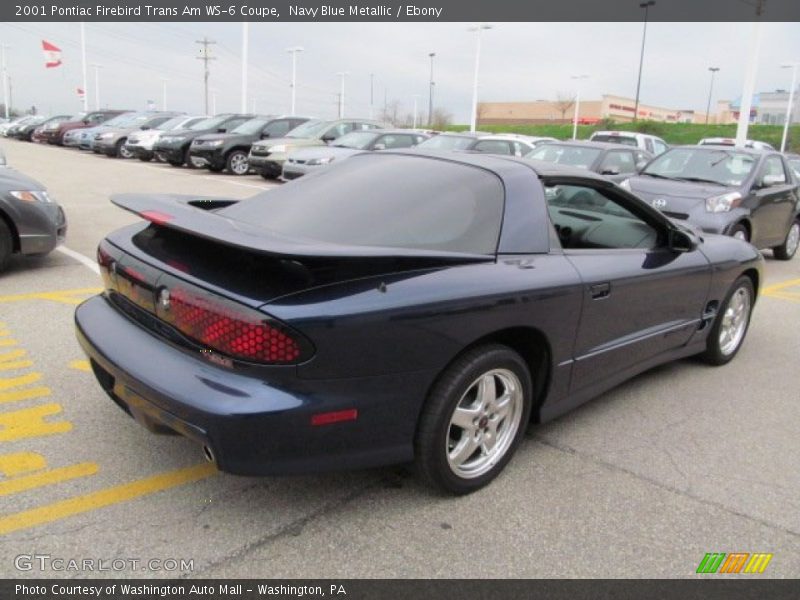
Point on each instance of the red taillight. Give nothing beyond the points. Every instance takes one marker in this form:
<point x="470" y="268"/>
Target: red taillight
<point x="157" y="217"/>
<point x="338" y="416"/>
<point x="230" y="329"/>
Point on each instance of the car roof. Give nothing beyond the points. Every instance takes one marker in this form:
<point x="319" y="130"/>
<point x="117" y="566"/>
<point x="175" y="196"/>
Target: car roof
<point x="753" y="151"/>
<point x="591" y="144"/>
<point x="389" y="130"/>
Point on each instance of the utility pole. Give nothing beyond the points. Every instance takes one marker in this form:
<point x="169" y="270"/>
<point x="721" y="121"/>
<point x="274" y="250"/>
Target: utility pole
<point x="474" y="116"/>
<point x="205" y="57"/>
<point x="430" y="92"/>
<point x="790" y="103"/>
<point x="245" y="44"/>
<point x="6" y="93"/>
<point x="293" y="51"/>
<point x="164" y="81"/>
<point x="710" y="91"/>
<point x="342" y="75"/>
<point x="577" y="104"/>
<point x="645" y="6"/>
<point x="83" y="68"/>
<point x="97" y="68"/>
<point x="750" y="78"/>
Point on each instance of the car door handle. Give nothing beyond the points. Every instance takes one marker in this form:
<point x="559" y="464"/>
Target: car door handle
<point x="600" y="290"/>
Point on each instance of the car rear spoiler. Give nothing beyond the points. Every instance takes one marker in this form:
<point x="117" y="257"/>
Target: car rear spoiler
<point x="197" y="216"/>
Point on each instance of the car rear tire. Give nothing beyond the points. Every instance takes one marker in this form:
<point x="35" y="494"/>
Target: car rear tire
<point x="237" y="163"/>
<point x="6" y="245"/>
<point x="731" y="324"/>
<point x="789" y="247"/>
<point x="740" y="232"/>
<point x="474" y="419"/>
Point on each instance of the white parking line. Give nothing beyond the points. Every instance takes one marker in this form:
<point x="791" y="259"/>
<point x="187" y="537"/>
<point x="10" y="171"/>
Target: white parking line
<point x="84" y="260"/>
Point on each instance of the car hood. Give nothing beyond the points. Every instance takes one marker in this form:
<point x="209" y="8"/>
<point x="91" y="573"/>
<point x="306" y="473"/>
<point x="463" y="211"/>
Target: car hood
<point x="292" y="142"/>
<point x="11" y="179"/>
<point x="313" y="152"/>
<point x="680" y="196"/>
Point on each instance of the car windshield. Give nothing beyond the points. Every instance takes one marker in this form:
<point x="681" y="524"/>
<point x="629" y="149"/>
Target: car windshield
<point x="251" y="127"/>
<point x="370" y="200"/>
<point x="615" y="139"/>
<point x="210" y="123"/>
<point x="574" y="156"/>
<point x="358" y="140"/>
<point x="117" y="121"/>
<point x="720" y="166"/>
<point x="172" y="123"/>
<point x="309" y="129"/>
<point x="447" y="142"/>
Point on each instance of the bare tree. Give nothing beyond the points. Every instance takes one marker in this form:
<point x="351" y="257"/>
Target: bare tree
<point x="564" y="101"/>
<point x="391" y="112"/>
<point x="441" y="119"/>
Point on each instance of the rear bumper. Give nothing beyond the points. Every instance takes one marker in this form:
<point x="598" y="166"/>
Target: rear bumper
<point x="253" y="423"/>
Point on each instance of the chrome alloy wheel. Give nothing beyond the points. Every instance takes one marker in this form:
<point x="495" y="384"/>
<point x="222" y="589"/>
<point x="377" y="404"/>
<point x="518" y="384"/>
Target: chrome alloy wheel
<point x="239" y="164"/>
<point x="484" y="423"/>
<point x="734" y="321"/>
<point x="124" y="152"/>
<point x="793" y="239"/>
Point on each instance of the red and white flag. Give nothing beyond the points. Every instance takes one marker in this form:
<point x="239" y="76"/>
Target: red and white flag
<point x="52" y="54"/>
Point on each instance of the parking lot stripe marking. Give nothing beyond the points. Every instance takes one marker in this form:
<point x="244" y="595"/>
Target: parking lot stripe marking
<point x="21" y="462"/>
<point x="8" y="383"/>
<point x="84" y="260"/>
<point x="49" y="477"/>
<point x="778" y="290"/>
<point x="20" y="364"/>
<point x="4" y="333"/>
<point x="80" y="365"/>
<point x="29" y="422"/>
<point x="63" y="296"/>
<point x="101" y="498"/>
<point x="12" y="355"/>
<point x="6" y="343"/>
<point x="29" y="394"/>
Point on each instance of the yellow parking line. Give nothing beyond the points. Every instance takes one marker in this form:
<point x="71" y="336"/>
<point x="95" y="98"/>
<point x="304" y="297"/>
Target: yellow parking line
<point x="28" y="394"/>
<point x="20" y="364"/>
<point x="113" y="495"/>
<point x="779" y="290"/>
<point x="64" y="296"/>
<point x="80" y="365"/>
<point x="49" y="477"/>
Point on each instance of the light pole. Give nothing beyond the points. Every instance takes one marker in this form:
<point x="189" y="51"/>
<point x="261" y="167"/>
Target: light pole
<point x="474" y="117"/>
<point x="6" y="93"/>
<point x="430" y="92"/>
<point x="97" y="68"/>
<point x="293" y="51"/>
<point x="414" y="121"/>
<point x="710" y="91"/>
<point x="577" y="78"/>
<point x="793" y="67"/>
<point x="164" y="81"/>
<point x="371" y="94"/>
<point x="83" y="68"/>
<point x="213" y="102"/>
<point x="245" y="48"/>
<point x="646" y="6"/>
<point x="341" y="75"/>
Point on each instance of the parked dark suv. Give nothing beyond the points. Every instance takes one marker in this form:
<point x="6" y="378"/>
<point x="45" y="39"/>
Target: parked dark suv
<point x="173" y="147"/>
<point x="748" y="194"/>
<point x="218" y="151"/>
<point x="92" y="119"/>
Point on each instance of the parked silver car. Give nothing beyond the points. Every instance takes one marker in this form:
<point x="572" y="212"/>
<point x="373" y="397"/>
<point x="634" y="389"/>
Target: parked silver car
<point x="111" y="139"/>
<point x="140" y="143"/>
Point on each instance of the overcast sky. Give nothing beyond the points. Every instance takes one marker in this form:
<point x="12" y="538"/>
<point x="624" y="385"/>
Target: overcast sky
<point x="519" y="61"/>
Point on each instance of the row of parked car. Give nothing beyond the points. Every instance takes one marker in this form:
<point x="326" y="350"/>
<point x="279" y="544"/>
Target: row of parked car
<point x="750" y="193"/>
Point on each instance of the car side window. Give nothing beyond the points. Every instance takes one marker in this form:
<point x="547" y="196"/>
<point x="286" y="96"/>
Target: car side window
<point x="520" y="149"/>
<point x="659" y="147"/>
<point x="493" y="147"/>
<point x="648" y="144"/>
<point x="396" y="141"/>
<point x="773" y="168"/>
<point x="339" y="130"/>
<point x="234" y="123"/>
<point x="276" y="129"/>
<point x="588" y="218"/>
<point x="617" y="162"/>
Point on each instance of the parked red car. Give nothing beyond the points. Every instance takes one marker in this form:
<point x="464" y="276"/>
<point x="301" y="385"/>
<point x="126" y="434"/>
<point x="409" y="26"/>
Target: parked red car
<point x="81" y="120"/>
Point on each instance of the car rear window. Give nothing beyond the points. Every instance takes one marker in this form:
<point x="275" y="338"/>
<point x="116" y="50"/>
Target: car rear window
<point x="386" y="200"/>
<point x="615" y="139"/>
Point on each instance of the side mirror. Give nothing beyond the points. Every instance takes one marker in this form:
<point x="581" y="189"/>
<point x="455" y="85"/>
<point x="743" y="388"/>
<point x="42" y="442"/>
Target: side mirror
<point x="681" y="241"/>
<point x="379" y="147"/>
<point x="145" y="127"/>
<point x="265" y="135"/>
<point x="610" y="171"/>
<point x="221" y="130"/>
<point x="328" y="137"/>
<point x="770" y="180"/>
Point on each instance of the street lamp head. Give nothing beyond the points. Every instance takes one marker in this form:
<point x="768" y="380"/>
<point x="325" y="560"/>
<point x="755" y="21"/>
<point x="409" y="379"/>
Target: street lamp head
<point x="481" y="26"/>
<point x="431" y="54"/>
<point x="713" y="69"/>
<point x="790" y="65"/>
<point x="647" y="4"/>
<point x="295" y="49"/>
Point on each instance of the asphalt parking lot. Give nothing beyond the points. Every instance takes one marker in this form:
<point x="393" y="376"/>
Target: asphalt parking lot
<point x="642" y="482"/>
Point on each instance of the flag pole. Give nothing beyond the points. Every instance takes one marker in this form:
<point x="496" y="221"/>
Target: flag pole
<point x="83" y="67"/>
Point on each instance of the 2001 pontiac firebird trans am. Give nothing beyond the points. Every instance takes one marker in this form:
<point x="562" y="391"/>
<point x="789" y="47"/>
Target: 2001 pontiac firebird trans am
<point x="401" y="306"/>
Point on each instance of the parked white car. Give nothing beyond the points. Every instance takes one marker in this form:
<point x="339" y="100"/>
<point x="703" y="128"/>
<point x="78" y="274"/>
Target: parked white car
<point x="719" y="141"/>
<point x="651" y="143"/>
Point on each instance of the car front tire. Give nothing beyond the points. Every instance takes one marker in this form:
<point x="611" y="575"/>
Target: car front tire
<point x="6" y="245"/>
<point x="474" y="419"/>
<point x="237" y="163"/>
<point x="789" y="247"/>
<point x="730" y="326"/>
<point x="740" y="232"/>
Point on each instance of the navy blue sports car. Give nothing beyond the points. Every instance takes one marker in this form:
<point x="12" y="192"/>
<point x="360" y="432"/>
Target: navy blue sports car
<point x="401" y="306"/>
